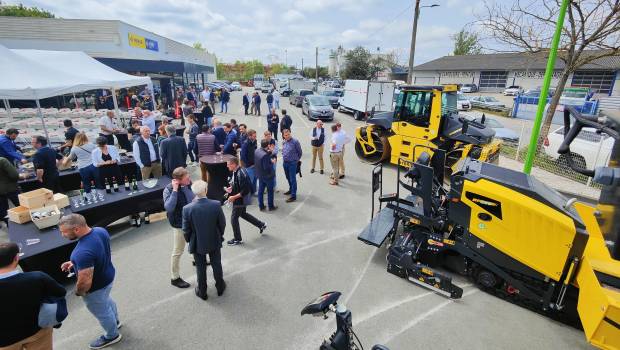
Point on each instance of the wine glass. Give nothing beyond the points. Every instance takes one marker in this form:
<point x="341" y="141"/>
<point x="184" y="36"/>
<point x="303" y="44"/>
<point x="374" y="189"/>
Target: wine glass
<point x="21" y="251"/>
<point x="76" y="203"/>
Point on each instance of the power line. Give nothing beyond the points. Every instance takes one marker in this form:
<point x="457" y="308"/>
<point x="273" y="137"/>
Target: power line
<point x="392" y="20"/>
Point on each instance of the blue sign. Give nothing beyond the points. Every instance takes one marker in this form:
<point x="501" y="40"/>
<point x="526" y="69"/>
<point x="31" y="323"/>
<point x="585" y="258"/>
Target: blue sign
<point x="151" y="44"/>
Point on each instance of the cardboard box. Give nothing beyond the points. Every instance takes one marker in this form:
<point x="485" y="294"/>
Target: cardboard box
<point x="61" y="200"/>
<point x="36" y="199"/>
<point x="47" y="221"/>
<point x="19" y="215"/>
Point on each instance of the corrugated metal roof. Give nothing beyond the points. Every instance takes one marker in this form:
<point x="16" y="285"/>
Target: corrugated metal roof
<point x="508" y="61"/>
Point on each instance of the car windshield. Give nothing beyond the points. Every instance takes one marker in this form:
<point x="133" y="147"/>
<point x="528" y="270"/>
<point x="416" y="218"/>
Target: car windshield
<point x="513" y="87"/>
<point x="492" y="99"/>
<point x="318" y="100"/>
<point x="305" y="92"/>
<point x="461" y="97"/>
<point x="329" y="93"/>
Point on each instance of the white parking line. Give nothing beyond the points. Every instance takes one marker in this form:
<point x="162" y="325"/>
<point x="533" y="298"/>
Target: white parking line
<point x="301" y="204"/>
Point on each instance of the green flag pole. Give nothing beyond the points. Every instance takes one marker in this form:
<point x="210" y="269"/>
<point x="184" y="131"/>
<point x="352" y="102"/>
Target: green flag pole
<point x="544" y="91"/>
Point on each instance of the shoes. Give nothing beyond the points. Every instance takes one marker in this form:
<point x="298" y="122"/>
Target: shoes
<point x="263" y="228"/>
<point x="311" y="171"/>
<point x="332" y="182"/>
<point x="321" y="171"/>
<point x="263" y="208"/>
<point x="119" y="324"/>
<point x="221" y="291"/>
<point x="287" y="193"/>
<point x="234" y="242"/>
<point x="273" y="208"/>
<point x="292" y="199"/>
<point x="179" y="283"/>
<point x="341" y="177"/>
<point x="201" y="296"/>
<point x="102" y="342"/>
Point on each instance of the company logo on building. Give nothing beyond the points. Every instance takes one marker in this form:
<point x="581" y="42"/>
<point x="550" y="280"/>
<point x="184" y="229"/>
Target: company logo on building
<point x="141" y="42"/>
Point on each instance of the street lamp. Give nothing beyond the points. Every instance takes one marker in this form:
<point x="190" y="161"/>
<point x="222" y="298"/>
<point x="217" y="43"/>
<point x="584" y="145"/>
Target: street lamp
<point x="416" y="14"/>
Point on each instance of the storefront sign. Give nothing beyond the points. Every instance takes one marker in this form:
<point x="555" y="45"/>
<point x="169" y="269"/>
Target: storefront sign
<point x="141" y="42"/>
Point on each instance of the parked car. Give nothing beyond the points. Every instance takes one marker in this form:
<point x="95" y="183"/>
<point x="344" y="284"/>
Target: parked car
<point x="266" y="87"/>
<point x="584" y="148"/>
<point x="535" y="93"/>
<point x="501" y="132"/>
<point x="513" y="90"/>
<point x="462" y="102"/>
<point x="333" y="97"/>
<point x="488" y="102"/>
<point x="236" y="86"/>
<point x="469" y="88"/>
<point x="317" y="107"/>
<point x="298" y="95"/>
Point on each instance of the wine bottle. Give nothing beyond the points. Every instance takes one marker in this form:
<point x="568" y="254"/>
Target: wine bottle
<point x="114" y="184"/>
<point x="82" y="191"/>
<point x="135" y="184"/>
<point x="92" y="185"/>
<point x="127" y="188"/>
<point x="107" y="186"/>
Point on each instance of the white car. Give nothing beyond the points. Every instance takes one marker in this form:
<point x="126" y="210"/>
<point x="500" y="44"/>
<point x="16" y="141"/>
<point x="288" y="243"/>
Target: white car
<point x="513" y="90"/>
<point x="462" y="102"/>
<point x="584" y="148"/>
<point x="236" y="85"/>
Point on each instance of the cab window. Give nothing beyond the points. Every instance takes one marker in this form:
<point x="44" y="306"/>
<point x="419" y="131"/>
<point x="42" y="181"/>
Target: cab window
<point x="448" y="103"/>
<point x="414" y="107"/>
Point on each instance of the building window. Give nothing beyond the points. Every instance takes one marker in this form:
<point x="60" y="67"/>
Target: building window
<point x="493" y="79"/>
<point x="599" y="81"/>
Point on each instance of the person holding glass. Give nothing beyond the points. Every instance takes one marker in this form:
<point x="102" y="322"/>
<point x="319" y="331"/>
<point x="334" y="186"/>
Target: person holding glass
<point x="81" y="151"/>
<point x="106" y="158"/>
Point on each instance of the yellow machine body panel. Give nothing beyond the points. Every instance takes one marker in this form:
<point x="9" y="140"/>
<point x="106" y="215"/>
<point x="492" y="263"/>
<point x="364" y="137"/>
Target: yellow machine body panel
<point x="599" y="302"/>
<point x="527" y="230"/>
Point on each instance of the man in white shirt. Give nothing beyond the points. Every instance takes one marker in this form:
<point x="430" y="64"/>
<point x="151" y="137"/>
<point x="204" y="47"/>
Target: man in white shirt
<point x="206" y="94"/>
<point x="343" y="149"/>
<point x="108" y="127"/>
<point x="146" y="154"/>
<point x="276" y="99"/>
<point x="148" y="119"/>
<point x="339" y="139"/>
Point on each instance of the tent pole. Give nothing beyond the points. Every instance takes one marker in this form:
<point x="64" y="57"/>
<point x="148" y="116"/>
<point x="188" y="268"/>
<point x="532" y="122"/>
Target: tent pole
<point x="150" y="86"/>
<point x="77" y="104"/>
<point x="117" y="113"/>
<point x="7" y="106"/>
<point x="42" y="120"/>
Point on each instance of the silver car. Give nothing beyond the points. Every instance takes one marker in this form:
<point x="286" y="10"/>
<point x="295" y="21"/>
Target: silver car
<point x="488" y="102"/>
<point x="317" y="107"/>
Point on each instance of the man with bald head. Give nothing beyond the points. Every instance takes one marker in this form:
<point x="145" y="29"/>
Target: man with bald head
<point x="146" y="154"/>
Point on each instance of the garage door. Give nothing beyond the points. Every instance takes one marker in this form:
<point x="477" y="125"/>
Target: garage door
<point x="493" y="80"/>
<point x="599" y="81"/>
<point x="424" y="81"/>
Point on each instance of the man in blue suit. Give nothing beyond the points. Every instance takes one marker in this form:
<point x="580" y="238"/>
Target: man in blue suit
<point x="219" y="133"/>
<point x="203" y="228"/>
<point x="230" y="147"/>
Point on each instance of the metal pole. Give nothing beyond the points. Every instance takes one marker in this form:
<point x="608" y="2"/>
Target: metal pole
<point x="542" y="99"/>
<point x="7" y="106"/>
<point x="316" y="68"/>
<point x="416" y="14"/>
<point x="42" y="120"/>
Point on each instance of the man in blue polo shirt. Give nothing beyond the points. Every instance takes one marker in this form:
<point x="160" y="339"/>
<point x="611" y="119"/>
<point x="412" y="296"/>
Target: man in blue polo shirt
<point x="45" y="162"/>
<point x="91" y="260"/>
<point x="8" y="148"/>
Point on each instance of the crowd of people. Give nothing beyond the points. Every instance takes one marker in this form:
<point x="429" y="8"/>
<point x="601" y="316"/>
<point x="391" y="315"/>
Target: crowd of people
<point x="195" y="220"/>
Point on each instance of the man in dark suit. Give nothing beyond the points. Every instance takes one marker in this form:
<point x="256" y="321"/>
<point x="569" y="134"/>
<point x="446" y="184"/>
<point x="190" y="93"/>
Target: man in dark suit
<point x="203" y="228"/>
<point x="219" y="133"/>
<point x="172" y="151"/>
<point x="246" y="103"/>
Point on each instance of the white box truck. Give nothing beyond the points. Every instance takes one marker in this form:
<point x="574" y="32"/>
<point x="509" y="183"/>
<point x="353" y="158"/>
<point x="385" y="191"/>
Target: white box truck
<point x="360" y="96"/>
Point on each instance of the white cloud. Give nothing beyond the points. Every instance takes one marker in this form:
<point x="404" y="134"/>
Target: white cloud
<point x="292" y="16"/>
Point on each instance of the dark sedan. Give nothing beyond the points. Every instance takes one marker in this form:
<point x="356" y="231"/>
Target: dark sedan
<point x="317" y="107"/>
<point x="333" y="96"/>
<point x="297" y="96"/>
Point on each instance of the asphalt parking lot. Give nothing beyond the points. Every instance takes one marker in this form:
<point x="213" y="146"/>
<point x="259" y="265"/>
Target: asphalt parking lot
<point x="310" y="247"/>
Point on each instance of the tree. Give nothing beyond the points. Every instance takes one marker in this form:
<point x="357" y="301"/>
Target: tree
<point x="23" y="11"/>
<point x="310" y="72"/>
<point x="358" y="64"/>
<point x="466" y="43"/>
<point x="591" y="31"/>
<point x="198" y="46"/>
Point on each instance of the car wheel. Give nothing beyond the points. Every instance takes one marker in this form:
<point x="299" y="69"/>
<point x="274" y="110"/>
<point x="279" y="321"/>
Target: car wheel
<point x="357" y="115"/>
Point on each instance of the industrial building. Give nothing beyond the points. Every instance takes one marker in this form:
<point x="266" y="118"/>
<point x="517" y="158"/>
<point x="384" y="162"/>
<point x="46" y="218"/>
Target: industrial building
<point x="494" y="72"/>
<point x="121" y="46"/>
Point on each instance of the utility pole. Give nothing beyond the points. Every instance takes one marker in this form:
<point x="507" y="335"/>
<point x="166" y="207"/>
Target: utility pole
<point x="302" y="65"/>
<point x="286" y="59"/>
<point x="316" y="72"/>
<point x="416" y="14"/>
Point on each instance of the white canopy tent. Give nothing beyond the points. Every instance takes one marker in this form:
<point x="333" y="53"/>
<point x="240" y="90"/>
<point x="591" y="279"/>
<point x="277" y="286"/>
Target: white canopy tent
<point x="38" y="74"/>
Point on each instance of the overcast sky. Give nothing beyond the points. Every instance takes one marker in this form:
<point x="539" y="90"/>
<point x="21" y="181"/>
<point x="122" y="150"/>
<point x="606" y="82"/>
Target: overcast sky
<point x="252" y="29"/>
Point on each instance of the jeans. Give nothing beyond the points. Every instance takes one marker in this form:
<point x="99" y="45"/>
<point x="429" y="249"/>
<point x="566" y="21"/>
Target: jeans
<point x="253" y="178"/>
<point x="90" y="174"/>
<point x="241" y="212"/>
<point x="224" y="107"/>
<point x="269" y="106"/>
<point x="269" y="184"/>
<point x="276" y="104"/>
<point x="192" y="150"/>
<point x="290" y="170"/>
<point x="103" y="308"/>
<point x="4" y="203"/>
<point x="201" y="270"/>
